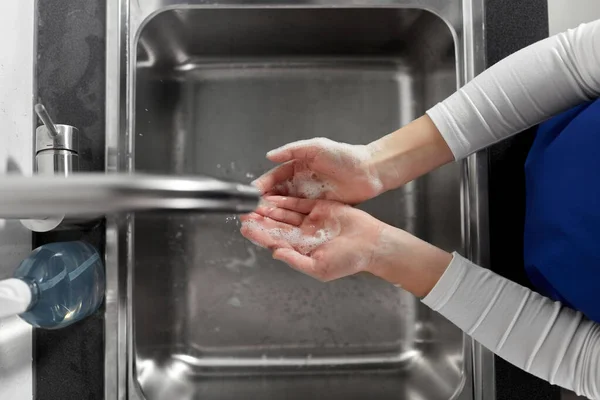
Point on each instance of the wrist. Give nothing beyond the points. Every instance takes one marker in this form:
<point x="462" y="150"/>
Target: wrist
<point x="408" y="153"/>
<point x="408" y="262"/>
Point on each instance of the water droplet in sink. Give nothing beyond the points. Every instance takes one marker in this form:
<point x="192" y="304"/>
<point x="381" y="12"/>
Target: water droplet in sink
<point x="234" y="302"/>
<point x="235" y="263"/>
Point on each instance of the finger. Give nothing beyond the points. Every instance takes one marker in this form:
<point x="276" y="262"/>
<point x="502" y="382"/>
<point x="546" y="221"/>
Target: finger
<point x="281" y="215"/>
<point x="304" y="206"/>
<point x="295" y="260"/>
<point x="246" y="217"/>
<point x="300" y="150"/>
<point x="258" y="230"/>
<point x="260" y="238"/>
<point x="249" y="216"/>
<point x="258" y="221"/>
<point x="266" y="183"/>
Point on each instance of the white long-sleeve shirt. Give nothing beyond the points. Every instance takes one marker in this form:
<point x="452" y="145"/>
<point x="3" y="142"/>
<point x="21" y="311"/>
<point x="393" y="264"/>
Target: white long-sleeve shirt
<point x="530" y="331"/>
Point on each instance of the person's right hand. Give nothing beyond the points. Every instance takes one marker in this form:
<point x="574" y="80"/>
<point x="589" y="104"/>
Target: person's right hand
<point x="322" y="169"/>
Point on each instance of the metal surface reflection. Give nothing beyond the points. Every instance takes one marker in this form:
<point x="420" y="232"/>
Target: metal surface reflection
<point x="201" y="88"/>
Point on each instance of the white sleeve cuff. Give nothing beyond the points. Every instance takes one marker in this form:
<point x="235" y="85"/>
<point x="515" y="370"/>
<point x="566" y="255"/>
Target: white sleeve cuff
<point x="447" y="285"/>
<point x="459" y="145"/>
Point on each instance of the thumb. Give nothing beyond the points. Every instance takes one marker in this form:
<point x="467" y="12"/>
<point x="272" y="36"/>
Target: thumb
<point x="300" y="150"/>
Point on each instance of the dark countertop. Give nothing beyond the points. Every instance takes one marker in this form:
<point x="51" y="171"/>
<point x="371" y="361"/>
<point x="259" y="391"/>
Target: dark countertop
<point x="510" y="26"/>
<point x="69" y="363"/>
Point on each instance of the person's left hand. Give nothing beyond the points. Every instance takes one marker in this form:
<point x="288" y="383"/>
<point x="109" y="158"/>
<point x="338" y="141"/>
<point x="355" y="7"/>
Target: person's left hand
<point x="329" y="240"/>
<point x="324" y="239"/>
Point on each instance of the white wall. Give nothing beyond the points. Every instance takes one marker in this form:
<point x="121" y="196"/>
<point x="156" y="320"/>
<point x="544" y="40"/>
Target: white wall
<point x="16" y="134"/>
<point x="565" y="14"/>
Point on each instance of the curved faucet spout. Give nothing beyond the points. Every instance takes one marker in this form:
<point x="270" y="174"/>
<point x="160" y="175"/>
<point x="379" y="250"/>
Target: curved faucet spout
<point x="93" y="194"/>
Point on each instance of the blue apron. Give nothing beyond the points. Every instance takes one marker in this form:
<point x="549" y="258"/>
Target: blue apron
<point x="562" y="222"/>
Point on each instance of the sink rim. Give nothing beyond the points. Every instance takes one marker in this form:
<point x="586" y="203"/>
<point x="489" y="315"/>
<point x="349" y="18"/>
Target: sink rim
<point x="125" y="21"/>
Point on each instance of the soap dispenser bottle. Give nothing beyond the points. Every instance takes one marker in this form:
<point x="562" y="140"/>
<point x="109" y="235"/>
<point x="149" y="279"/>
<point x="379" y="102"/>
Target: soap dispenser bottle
<point x="56" y="286"/>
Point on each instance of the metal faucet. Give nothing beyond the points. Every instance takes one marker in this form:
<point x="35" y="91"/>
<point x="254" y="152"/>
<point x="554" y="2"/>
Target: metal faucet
<point x="58" y="189"/>
<point x="96" y="193"/>
<point x="56" y="146"/>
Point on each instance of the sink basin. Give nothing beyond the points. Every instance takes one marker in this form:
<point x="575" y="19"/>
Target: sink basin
<point x="194" y="311"/>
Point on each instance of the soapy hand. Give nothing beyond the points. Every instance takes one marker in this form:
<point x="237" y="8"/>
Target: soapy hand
<point x="324" y="239"/>
<point x="322" y="169"/>
<point x="329" y="240"/>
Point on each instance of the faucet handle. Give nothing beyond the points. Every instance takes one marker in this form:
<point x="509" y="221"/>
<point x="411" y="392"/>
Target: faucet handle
<point x="43" y="115"/>
<point x="50" y="136"/>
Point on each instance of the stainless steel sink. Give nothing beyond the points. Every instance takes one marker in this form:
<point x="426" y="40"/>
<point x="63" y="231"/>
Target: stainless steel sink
<point x="194" y="311"/>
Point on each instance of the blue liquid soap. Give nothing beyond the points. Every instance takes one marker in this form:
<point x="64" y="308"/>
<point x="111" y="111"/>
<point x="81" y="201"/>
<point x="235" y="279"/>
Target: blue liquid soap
<point x="56" y="286"/>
